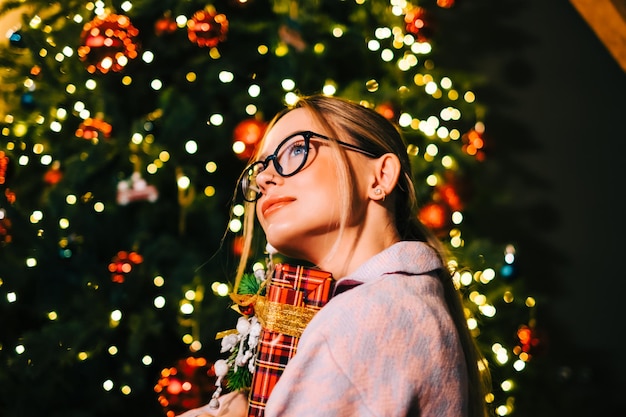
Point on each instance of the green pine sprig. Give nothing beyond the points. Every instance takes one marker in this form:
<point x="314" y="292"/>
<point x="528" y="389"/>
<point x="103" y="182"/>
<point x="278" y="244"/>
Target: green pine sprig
<point x="248" y="284"/>
<point x="240" y="379"/>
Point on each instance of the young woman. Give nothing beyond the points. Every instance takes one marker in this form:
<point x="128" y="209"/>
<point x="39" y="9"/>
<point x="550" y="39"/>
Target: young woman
<point x="332" y="186"/>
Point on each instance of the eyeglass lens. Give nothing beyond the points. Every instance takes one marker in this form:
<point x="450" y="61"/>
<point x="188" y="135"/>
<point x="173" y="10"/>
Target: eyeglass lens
<point x="289" y="157"/>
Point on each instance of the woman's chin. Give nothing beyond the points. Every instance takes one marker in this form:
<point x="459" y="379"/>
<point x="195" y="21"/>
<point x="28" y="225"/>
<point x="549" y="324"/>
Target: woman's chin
<point x="285" y="249"/>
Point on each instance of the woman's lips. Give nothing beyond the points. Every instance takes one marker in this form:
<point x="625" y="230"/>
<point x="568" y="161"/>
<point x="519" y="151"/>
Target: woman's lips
<point x="272" y="204"/>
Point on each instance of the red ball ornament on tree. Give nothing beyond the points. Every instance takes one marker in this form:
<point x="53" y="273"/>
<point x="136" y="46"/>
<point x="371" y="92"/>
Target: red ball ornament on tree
<point x="4" y="166"/>
<point x="473" y="144"/>
<point x="10" y="196"/>
<point x="448" y="193"/>
<point x="416" y="22"/>
<point x="189" y="384"/>
<point x="54" y="174"/>
<point x="207" y="28"/>
<point x="435" y="216"/>
<point x="122" y="264"/>
<point x="238" y="245"/>
<point x="246" y="136"/>
<point x="5" y="226"/>
<point x="386" y="110"/>
<point x="108" y="43"/>
<point x="529" y="341"/>
<point x="445" y="4"/>
<point x="165" y="25"/>
<point x="92" y="129"/>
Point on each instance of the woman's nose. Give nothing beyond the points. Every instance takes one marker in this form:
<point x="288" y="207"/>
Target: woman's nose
<point x="269" y="176"/>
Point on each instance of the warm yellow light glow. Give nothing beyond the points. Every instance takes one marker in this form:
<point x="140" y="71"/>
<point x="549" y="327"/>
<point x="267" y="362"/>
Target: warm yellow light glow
<point x="238" y="147"/>
<point x="235" y="225"/>
<point x="186" y="307"/>
<point x="216" y="119"/>
<point x="159" y="302"/>
<point x="222" y="290"/>
<point x="209" y="191"/>
<point x="116" y="315"/>
<point x="183" y="182"/>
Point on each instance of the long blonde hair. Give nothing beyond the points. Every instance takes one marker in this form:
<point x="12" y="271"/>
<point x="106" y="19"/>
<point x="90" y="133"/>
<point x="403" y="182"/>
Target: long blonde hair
<point x="369" y="130"/>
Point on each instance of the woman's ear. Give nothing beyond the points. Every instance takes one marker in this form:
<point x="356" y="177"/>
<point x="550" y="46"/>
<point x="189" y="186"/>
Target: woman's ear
<point x="387" y="170"/>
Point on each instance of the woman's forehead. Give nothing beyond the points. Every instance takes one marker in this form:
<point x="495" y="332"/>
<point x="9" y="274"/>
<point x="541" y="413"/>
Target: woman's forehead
<point x="296" y="120"/>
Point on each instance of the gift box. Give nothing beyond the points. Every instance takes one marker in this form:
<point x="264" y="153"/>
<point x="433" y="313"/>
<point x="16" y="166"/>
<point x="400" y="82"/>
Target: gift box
<point x="294" y="294"/>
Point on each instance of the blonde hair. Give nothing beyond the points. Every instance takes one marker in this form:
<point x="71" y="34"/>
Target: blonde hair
<point x="366" y="128"/>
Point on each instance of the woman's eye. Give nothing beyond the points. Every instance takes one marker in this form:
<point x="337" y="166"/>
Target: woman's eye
<point x="297" y="148"/>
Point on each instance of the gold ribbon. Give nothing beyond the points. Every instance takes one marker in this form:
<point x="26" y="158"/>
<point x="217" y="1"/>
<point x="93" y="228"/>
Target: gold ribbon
<point x="273" y="316"/>
<point x="283" y="318"/>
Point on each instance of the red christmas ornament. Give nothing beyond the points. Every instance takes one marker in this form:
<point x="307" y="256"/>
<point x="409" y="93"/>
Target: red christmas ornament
<point x="10" y="196"/>
<point x="122" y="264"/>
<point x="4" y="166"/>
<point x="35" y="71"/>
<point x="448" y="194"/>
<point x="528" y="340"/>
<point x="54" y="174"/>
<point x="416" y="22"/>
<point x="446" y="4"/>
<point x="108" y="43"/>
<point x="165" y="25"/>
<point x="189" y="384"/>
<point x="387" y="111"/>
<point x="207" y="28"/>
<point x="473" y="143"/>
<point x="238" y="245"/>
<point x="435" y="216"/>
<point x="246" y="136"/>
<point x="91" y="129"/>
<point x="5" y="226"/>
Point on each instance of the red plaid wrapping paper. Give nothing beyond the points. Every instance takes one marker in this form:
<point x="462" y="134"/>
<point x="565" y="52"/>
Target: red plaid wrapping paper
<point x="295" y="286"/>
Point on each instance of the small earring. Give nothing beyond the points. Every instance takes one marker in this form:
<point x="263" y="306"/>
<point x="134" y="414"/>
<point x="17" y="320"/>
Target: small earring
<point x="378" y="191"/>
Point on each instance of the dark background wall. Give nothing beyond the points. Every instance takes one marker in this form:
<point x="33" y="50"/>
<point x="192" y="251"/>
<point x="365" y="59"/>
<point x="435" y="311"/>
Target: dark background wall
<point x="570" y="94"/>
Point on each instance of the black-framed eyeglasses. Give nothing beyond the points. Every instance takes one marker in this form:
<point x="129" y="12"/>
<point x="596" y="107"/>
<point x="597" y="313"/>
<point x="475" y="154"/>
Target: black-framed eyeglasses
<point x="289" y="158"/>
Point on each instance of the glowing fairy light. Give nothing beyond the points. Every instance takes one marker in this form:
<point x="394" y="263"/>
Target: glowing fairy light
<point x="226" y="76"/>
<point x="255" y="90"/>
<point x="222" y="290"/>
<point x="191" y="147"/>
<point x="288" y="84"/>
<point x="216" y="119"/>
<point x="186" y="307"/>
<point x="159" y="302"/>
<point x="235" y="225"/>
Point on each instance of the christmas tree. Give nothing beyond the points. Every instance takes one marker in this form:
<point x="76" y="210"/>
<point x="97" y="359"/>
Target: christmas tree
<point x="125" y="126"/>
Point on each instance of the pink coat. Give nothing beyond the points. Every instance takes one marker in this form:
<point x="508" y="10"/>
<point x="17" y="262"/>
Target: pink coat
<point x="385" y="348"/>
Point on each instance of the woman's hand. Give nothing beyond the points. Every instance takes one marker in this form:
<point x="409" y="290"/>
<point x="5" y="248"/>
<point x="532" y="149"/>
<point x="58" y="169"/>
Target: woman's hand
<point x="233" y="404"/>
